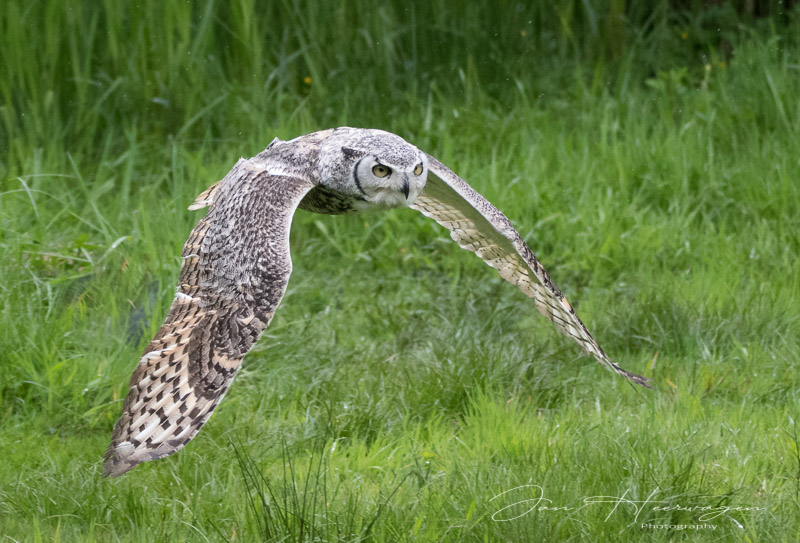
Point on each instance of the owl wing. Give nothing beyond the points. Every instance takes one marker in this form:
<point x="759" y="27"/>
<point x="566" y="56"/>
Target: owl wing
<point x="478" y="226"/>
<point x="236" y="265"/>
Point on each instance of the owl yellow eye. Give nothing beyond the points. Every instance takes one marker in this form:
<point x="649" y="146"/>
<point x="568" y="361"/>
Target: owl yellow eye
<point x="418" y="169"/>
<point x="380" y="170"/>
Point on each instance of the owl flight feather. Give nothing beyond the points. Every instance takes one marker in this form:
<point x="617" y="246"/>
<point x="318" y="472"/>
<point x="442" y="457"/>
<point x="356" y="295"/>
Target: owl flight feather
<point x="236" y="265"/>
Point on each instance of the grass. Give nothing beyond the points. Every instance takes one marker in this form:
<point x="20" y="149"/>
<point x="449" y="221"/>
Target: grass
<point x="660" y="191"/>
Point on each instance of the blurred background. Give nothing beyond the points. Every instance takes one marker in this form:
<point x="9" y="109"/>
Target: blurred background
<point x="96" y="74"/>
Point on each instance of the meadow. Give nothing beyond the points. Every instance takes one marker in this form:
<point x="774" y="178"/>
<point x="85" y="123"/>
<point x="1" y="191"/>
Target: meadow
<point x="404" y="391"/>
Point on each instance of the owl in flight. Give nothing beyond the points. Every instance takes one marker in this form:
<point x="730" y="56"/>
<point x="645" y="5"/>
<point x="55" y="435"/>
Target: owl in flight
<point x="236" y="265"/>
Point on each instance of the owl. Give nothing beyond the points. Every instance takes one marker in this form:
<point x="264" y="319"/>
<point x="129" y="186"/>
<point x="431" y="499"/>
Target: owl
<point x="236" y="265"/>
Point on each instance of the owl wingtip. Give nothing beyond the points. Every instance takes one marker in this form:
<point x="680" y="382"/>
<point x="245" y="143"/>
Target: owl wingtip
<point x="118" y="460"/>
<point x="112" y="469"/>
<point x="639" y="380"/>
<point x="632" y="377"/>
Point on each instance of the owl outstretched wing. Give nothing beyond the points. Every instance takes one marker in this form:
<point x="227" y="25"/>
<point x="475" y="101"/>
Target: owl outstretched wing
<point x="478" y="226"/>
<point x="236" y="265"/>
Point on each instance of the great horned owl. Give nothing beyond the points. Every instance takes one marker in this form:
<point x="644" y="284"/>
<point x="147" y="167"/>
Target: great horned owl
<point x="236" y="265"/>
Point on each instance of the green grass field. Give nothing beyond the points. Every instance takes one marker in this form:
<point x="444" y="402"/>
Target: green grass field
<point x="404" y="391"/>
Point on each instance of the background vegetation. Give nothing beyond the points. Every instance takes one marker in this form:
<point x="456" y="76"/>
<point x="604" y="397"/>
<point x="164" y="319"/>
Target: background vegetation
<point x="648" y="152"/>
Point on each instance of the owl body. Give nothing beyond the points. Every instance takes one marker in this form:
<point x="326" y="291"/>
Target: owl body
<point x="237" y="263"/>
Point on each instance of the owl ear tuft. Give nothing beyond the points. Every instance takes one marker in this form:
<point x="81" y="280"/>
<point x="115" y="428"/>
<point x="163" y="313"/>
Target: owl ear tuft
<point x="352" y="154"/>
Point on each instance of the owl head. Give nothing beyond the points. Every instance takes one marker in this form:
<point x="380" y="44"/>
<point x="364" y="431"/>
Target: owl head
<point x="377" y="169"/>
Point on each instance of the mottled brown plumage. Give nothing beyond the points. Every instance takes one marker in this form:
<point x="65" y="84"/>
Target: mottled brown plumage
<point x="235" y="270"/>
<point x="237" y="265"/>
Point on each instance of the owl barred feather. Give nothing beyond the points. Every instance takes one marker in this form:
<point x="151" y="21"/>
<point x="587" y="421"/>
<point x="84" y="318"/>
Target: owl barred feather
<point x="237" y="265"/>
<point x="234" y="274"/>
<point x="478" y="226"/>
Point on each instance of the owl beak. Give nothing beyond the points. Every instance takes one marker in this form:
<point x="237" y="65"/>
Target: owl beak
<point x="405" y="188"/>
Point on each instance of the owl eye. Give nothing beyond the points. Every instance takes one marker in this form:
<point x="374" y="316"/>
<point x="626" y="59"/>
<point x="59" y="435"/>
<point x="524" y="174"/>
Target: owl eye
<point x="418" y="169"/>
<point x="380" y="170"/>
